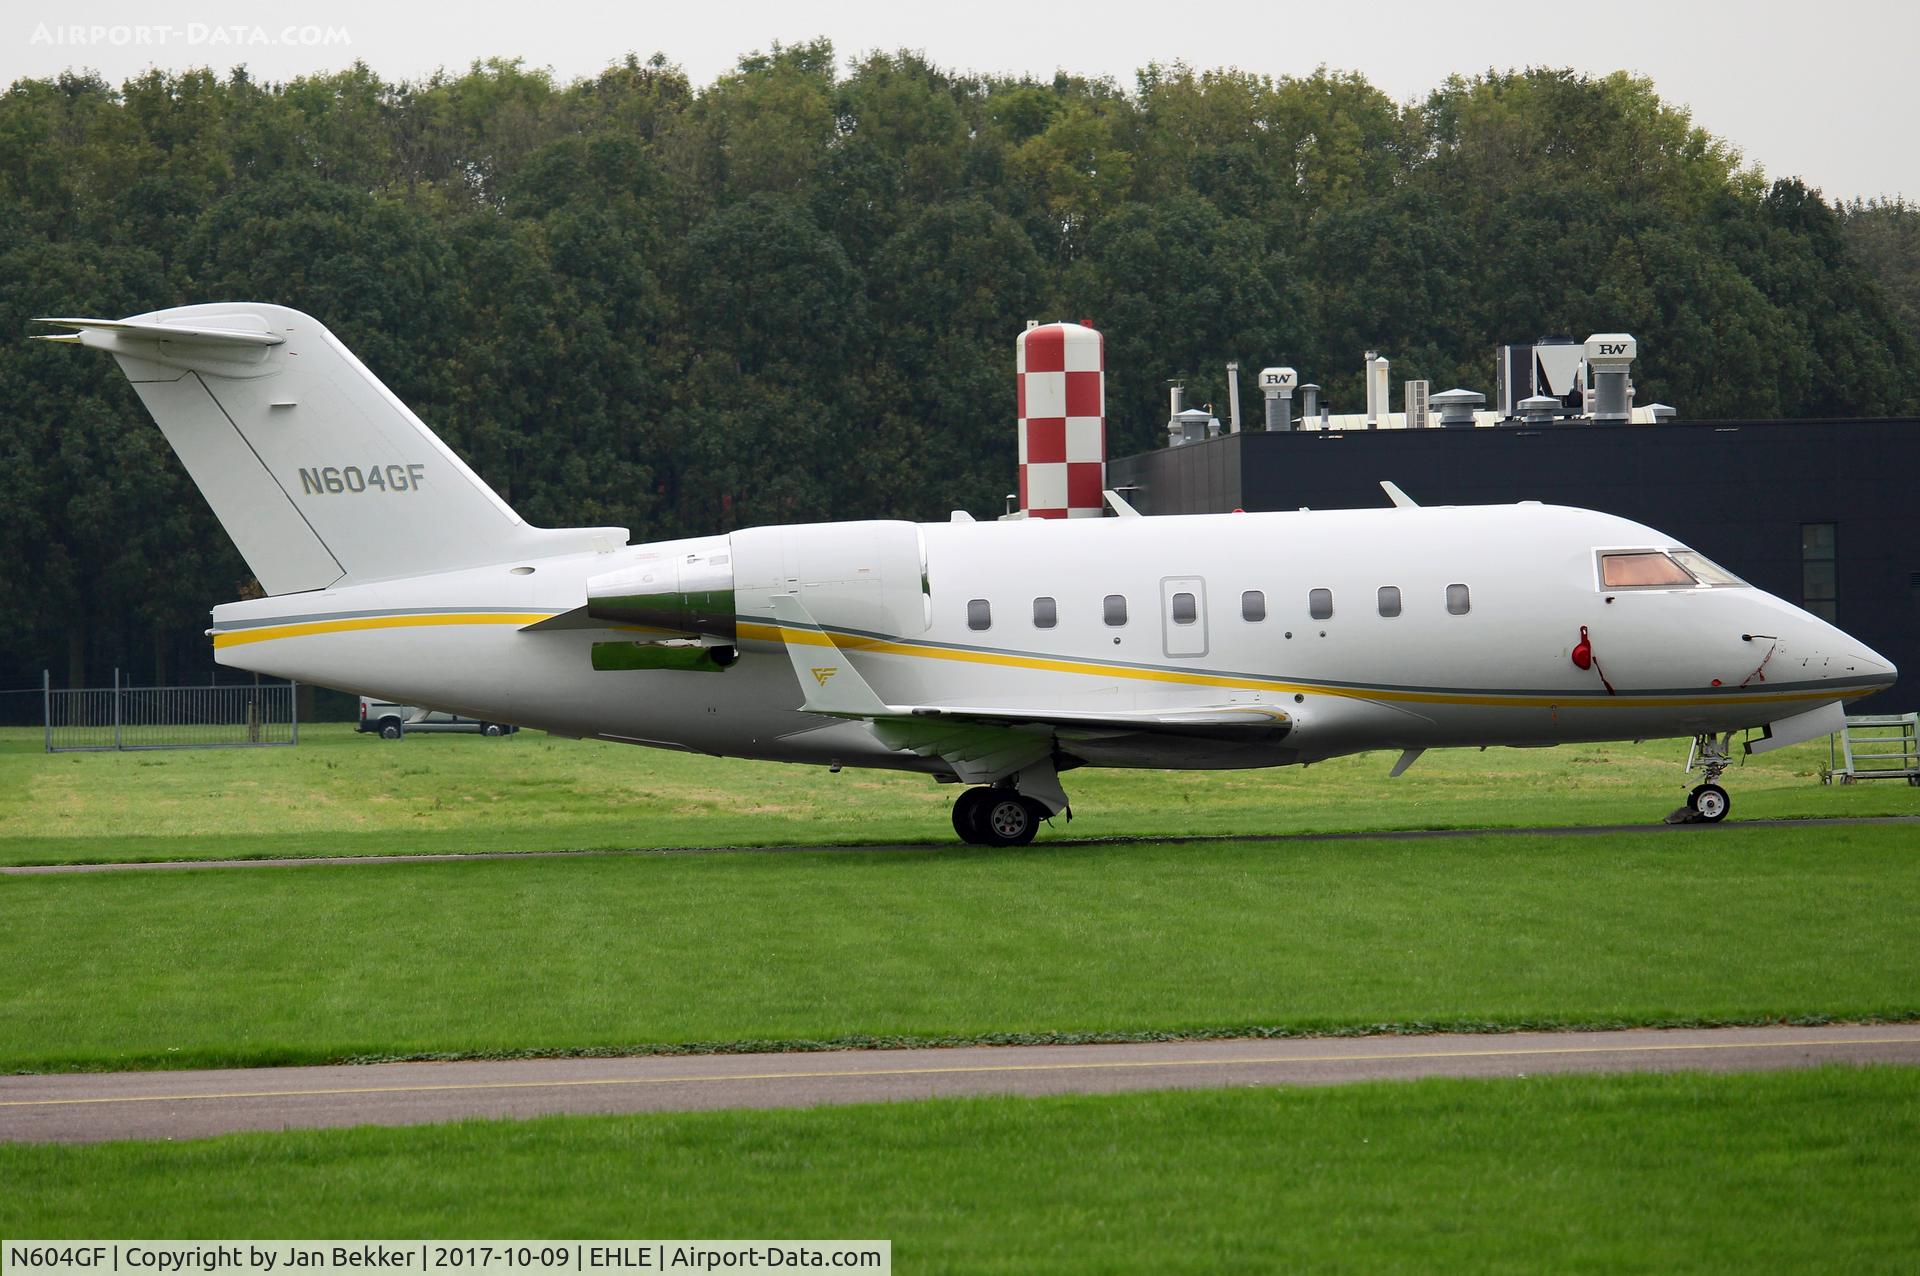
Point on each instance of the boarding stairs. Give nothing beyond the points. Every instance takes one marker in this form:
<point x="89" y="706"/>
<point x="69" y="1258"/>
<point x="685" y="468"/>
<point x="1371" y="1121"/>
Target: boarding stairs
<point x="1875" y="747"/>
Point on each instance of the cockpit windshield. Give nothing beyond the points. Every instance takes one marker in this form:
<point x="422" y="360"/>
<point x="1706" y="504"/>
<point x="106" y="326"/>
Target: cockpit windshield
<point x="1643" y="569"/>
<point x="1662" y="569"/>
<point x="1705" y="570"/>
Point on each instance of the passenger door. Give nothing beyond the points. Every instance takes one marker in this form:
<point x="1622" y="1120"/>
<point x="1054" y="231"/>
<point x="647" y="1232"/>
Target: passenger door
<point x="1183" y="615"/>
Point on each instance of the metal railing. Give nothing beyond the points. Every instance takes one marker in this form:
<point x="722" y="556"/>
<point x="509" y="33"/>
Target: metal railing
<point x="1882" y="746"/>
<point x="127" y="717"/>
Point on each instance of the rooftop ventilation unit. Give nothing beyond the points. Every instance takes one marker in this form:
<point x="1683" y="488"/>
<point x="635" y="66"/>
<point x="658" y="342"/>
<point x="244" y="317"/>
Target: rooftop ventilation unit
<point x="1551" y="365"/>
<point x="1378" y="390"/>
<point x="1457" y="407"/>
<point x="1416" y="404"/>
<point x="1277" y="384"/>
<point x="1609" y="355"/>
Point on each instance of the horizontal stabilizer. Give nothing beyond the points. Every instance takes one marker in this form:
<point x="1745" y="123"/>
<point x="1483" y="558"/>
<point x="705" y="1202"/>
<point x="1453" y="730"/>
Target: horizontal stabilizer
<point x="148" y="330"/>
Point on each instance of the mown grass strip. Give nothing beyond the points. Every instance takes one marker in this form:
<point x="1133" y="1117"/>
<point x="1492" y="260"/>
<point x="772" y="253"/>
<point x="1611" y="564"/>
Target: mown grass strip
<point x="501" y="958"/>
<point x="342" y="794"/>
<point x="1778" y="1171"/>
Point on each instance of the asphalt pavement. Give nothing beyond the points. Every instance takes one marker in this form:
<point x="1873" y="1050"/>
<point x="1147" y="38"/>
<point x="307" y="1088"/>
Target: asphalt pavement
<point x="93" y="1107"/>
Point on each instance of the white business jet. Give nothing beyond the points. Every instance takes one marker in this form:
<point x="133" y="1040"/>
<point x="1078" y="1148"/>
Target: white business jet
<point x="996" y="655"/>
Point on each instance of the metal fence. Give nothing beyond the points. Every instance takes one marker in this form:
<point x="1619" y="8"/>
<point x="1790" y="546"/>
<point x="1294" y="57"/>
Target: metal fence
<point x="127" y="717"/>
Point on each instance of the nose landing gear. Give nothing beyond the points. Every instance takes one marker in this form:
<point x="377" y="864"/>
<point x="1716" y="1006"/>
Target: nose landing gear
<point x="1708" y="803"/>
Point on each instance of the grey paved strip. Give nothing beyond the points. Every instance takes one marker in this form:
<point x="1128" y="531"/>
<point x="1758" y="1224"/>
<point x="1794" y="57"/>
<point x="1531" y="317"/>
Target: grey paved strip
<point x="1681" y="830"/>
<point x="92" y="1107"/>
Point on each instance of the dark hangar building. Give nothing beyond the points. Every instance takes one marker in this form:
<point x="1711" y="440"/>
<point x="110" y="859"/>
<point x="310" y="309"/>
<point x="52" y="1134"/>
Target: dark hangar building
<point x="1822" y="513"/>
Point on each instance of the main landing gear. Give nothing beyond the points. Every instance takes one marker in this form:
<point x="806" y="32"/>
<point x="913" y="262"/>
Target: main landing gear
<point x="1708" y="803"/>
<point x="993" y="815"/>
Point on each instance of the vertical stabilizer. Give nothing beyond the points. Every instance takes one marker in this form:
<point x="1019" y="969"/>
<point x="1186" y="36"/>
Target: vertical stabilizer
<point x="318" y="473"/>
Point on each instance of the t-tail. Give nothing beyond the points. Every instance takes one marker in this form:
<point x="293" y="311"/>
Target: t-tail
<point x="319" y="474"/>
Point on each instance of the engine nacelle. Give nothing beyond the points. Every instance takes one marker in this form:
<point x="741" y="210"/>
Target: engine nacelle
<point x="682" y="588"/>
<point x="869" y="577"/>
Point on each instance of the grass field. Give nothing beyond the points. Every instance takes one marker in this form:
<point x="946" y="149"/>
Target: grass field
<point x="253" y="966"/>
<point x="1803" y="1172"/>
<point x="340" y="793"/>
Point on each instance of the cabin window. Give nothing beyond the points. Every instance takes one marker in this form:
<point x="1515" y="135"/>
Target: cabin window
<point x="1320" y="603"/>
<point x="1459" y="601"/>
<point x="1819" y="574"/>
<point x="1185" y="611"/>
<point x="979" y="614"/>
<point x="1045" y="614"/>
<point x="1114" y="609"/>
<point x="1646" y="569"/>
<point x="1253" y="606"/>
<point x="1389" y="600"/>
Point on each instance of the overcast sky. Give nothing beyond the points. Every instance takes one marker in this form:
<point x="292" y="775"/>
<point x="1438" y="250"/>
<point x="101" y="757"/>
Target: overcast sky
<point x="1823" y="91"/>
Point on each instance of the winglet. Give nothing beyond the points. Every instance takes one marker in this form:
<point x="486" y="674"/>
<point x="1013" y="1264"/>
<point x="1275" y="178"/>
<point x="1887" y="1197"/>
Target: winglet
<point x="1399" y="498"/>
<point x="829" y="684"/>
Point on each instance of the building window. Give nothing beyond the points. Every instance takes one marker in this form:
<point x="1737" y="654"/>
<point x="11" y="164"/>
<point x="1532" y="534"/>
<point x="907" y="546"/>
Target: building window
<point x="1253" y="605"/>
<point x="1185" y="612"/>
<point x="1045" y="614"/>
<point x="1114" y="608"/>
<point x="1320" y="603"/>
<point x="979" y="614"/>
<point x="1389" y="600"/>
<point x="1459" y="601"/>
<point x="1819" y="574"/>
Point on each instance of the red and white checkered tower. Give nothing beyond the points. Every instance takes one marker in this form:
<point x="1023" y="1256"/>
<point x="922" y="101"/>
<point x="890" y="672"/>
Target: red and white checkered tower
<point x="1061" y="372"/>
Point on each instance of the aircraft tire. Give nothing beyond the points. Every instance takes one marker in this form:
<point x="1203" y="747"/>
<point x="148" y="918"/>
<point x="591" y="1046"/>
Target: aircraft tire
<point x="966" y="815"/>
<point x="1008" y="819"/>
<point x="1710" y="802"/>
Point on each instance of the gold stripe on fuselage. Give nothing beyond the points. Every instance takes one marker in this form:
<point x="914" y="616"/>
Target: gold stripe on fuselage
<point x="773" y="633"/>
<point x="1249" y="682"/>
<point x="305" y="628"/>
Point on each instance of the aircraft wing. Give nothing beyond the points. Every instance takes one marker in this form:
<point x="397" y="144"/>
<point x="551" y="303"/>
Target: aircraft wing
<point x="986" y="742"/>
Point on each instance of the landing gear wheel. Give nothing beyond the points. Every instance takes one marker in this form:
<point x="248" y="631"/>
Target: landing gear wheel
<point x="966" y="816"/>
<point x="1007" y="819"/>
<point x="1710" y="802"/>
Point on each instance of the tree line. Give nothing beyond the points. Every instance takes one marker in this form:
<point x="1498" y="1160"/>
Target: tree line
<point x="793" y="293"/>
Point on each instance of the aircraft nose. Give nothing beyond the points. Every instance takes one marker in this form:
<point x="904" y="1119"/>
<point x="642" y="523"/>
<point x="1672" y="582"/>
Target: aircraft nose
<point x="1875" y="666"/>
<point x="1844" y="657"/>
<point x="1820" y="651"/>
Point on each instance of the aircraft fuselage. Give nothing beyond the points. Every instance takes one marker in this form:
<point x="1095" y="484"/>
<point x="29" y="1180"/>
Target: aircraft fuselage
<point x="1389" y="628"/>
